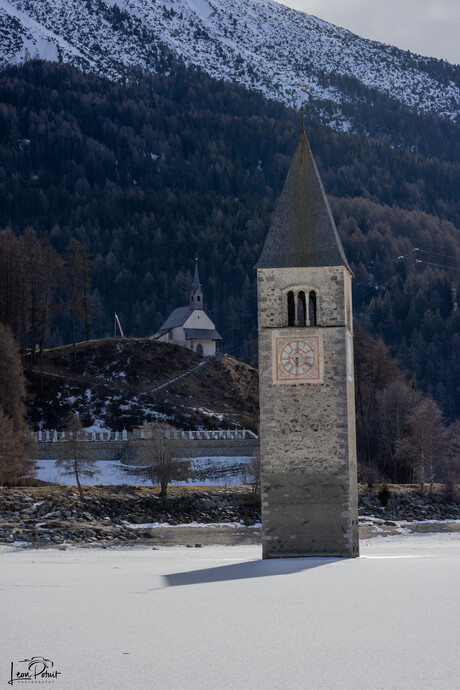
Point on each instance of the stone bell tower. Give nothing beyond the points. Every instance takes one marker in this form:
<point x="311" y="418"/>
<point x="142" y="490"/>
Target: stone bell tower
<point x="307" y="410"/>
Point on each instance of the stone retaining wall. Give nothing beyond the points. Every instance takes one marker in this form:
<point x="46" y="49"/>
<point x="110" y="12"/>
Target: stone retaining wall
<point x="129" y="451"/>
<point x="113" y="450"/>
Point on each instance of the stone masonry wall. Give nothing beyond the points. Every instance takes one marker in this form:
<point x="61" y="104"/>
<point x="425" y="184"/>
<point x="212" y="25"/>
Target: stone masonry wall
<point x="309" y="495"/>
<point x="274" y="284"/>
<point x="128" y="451"/>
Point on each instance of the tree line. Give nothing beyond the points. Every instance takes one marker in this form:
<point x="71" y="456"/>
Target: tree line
<point x="401" y="434"/>
<point x="16" y="446"/>
<point x="146" y="174"/>
<point x="38" y="284"/>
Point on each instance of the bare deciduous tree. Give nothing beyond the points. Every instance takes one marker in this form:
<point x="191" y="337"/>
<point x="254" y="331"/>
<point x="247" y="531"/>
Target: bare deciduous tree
<point x="76" y="456"/>
<point x="451" y="469"/>
<point x="15" y="437"/>
<point x="16" y="448"/>
<point x="425" y="444"/>
<point x="77" y="286"/>
<point x="394" y="404"/>
<point x="253" y="473"/>
<point x="374" y="370"/>
<point x="156" y="452"/>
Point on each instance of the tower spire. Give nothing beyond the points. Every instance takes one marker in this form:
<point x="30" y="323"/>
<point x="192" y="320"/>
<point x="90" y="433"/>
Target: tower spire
<point x="196" y="278"/>
<point x="306" y="380"/>
<point x="302" y="231"/>
<point x="196" y="292"/>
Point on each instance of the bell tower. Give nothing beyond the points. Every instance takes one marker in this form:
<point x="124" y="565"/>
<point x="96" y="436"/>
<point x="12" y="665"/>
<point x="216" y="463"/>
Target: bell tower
<point x="307" y="409"/>
<point x="196" y="291"/>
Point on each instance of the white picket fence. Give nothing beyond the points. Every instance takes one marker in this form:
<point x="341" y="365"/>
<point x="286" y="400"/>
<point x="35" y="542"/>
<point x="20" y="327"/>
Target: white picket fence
<point x="48" y="436"/>
<point x="213" y="435"/>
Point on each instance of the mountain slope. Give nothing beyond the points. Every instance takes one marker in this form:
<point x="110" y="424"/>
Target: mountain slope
<point x="145" y="175"/>
<point x="124" y="382"/>
<point x="258" y="43"/>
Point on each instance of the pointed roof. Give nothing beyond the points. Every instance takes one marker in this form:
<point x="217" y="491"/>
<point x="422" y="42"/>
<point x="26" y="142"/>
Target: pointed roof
<point x="176" y="318"/>
<point x="302" y="230"/>
<point x="196" y="278"/>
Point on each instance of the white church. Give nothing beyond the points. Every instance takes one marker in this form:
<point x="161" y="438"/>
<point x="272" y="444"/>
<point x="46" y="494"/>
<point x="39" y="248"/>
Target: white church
<point x="190" y="326"/>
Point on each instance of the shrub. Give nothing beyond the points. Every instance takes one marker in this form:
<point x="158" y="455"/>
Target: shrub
<point x="384" y="495"/>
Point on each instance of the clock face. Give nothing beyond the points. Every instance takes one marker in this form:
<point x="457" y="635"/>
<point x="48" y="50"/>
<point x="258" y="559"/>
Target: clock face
<point x="297" y="357"/>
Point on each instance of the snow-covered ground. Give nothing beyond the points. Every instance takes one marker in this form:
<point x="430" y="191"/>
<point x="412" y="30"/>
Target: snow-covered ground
<point x="219" y="617"/>
<point x="206" y="471"/>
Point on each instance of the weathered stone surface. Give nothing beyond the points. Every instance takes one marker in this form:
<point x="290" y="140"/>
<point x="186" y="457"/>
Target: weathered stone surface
<point x="307" y="430"/>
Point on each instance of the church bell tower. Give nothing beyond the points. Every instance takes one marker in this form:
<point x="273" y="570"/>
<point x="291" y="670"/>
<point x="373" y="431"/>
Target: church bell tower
<point x="307" y="409"/>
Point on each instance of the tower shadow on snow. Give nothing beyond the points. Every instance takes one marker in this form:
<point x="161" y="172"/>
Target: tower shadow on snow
<point x="247" y="570"/>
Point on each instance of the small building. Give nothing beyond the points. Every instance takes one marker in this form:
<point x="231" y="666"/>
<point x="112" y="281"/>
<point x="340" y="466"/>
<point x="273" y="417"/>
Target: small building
<point x="190" y="326"/>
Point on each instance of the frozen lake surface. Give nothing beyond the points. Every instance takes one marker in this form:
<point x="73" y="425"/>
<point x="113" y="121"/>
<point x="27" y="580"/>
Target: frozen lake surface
<point x="219" y="617"/>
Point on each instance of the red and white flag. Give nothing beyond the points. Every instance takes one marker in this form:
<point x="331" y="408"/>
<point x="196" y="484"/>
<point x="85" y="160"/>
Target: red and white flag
<point x="119" y="325"/>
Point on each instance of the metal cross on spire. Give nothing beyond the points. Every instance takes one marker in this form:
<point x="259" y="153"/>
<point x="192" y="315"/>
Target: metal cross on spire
<point x="303" y="87"/>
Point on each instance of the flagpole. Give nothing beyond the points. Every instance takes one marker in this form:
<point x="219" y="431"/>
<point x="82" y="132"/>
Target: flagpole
<point x="117" y="322"/>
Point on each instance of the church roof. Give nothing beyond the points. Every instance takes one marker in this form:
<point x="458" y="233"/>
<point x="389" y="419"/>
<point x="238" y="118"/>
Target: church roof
<point x="202" y="333"/>
<point x="180" y="316"/>
<point x="176" y="318"/>
<point x="302" y="230"/>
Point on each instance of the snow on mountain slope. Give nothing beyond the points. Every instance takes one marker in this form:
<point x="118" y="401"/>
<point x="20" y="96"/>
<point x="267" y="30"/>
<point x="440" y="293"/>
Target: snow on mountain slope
<point x="258" y="43"/>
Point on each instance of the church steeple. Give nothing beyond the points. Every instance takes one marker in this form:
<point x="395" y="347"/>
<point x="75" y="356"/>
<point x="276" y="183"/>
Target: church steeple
<point x="302" y="230"/>
<point x="306" y="389"/>
<point x="196" y="293"/>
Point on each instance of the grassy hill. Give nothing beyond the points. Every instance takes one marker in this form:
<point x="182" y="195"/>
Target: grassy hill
<point x="121" y="383"/>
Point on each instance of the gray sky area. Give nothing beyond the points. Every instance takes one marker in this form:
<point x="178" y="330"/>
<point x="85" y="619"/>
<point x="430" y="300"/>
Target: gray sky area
<point x="427" y="27"/>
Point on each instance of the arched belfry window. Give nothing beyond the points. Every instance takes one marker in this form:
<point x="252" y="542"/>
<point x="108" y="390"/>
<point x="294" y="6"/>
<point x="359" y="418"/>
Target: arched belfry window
<point x="291" y="308"/>
<point x="312" y="311"/>
<point x="301" y="310"/>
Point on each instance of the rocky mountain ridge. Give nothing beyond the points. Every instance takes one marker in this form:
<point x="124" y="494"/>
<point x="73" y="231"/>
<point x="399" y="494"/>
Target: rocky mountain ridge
<point x="287" y="55"/>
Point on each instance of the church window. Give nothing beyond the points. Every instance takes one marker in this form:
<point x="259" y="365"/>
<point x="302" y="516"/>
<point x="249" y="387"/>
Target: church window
<point x="312" y="313"/>
<point x="197" y="298"/>
<point x="170" y="335"/>
<point x="291" y="308"/>
<point x="301" y="309"/>
<point x="199" y="349"/>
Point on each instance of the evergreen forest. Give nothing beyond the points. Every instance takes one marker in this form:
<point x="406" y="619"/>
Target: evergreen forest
<point x="107" y="192"/>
